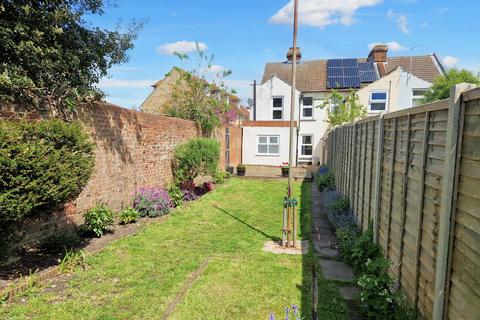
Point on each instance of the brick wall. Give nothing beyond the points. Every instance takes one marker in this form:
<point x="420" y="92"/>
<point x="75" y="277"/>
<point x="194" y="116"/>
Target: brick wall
<point x="133" y="149"/>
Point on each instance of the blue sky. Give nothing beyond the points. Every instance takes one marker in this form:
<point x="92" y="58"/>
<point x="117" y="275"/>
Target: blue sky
<point x="244" y="35"/>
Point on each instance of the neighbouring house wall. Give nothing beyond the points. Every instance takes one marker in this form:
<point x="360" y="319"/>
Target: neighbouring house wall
<point x="132" y="149"/>
<point x="423" y="198"/>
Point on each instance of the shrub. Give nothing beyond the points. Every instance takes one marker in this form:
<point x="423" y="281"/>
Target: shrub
<point x="199" y="156"/>
<point x="42" y="164"/>
<point x="325" y="179"/>
<point x="62" y="240"/>
<point x="340" y="205"/>
<point x="220" y="176"/>
<point x="129" y="215"/>
<point x="338" y="211"/>
<point x="152" y="201"/>
<point x="98" y="219"/>
<point x="176" y="195"/>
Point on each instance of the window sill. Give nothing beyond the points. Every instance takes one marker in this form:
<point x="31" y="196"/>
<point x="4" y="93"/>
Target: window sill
<point x="307" y="119"/>
<point x="267" y="155"/>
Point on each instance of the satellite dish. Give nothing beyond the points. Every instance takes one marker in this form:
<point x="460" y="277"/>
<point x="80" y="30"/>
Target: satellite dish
<point x="250" y="102"/>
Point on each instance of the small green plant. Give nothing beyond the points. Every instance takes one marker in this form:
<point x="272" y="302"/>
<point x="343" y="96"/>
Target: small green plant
<point x="61" y="240"/>
<point x="325" y="181"/>
<point x="220" y="176"/>
<point x="342" y="204"/>
<point x="129" y="215"/>
<point x="176" y="195"/>
<point x="98" y="219"/>
<point x="71" y="260"/>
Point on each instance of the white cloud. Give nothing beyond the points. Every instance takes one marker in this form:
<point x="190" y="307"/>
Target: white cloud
<point x="441" y="10"/>
<point x="214" y="69"/>
<point x="180" y="47"/>
<point x="400" y="19"/>
<point x="392" y="45"/>
<point x="119" y="83"/>
<point x="450" y="61"/>
<point x="320" y="13"/>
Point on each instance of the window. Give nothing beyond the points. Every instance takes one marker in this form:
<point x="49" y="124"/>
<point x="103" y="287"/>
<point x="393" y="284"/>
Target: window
<point x="417" y="96"/>
<point x="378" y="101"/>
<point x="334" y="103"/>
<point x="306" y="145"/>
<point x="307" y="108"/>
<point x="277" y="108"/>
<point x="268" y="145"/>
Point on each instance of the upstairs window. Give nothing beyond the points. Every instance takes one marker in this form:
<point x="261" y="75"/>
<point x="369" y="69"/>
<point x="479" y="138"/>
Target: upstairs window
<point x="277" y="108"/>
<point x="268" y="145"/>
<point x="378" y="101"/>
<point x="417" y="96"/>
<point x="307" y="108"/>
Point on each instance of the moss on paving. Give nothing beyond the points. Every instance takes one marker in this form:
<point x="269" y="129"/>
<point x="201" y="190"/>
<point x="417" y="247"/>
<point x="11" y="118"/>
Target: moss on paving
<point x="139" y="276"/>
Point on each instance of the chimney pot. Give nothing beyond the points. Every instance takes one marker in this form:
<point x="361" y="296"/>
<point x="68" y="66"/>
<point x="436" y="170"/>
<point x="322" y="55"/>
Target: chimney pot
<point x="290" y="54"/>
<point x="378" y="53"/>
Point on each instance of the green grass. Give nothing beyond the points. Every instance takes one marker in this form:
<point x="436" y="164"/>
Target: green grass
<point x="139" y="276"/>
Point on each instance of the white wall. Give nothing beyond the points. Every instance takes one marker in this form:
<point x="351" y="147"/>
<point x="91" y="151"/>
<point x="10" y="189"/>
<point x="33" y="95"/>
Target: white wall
<point x="408" y="82"/>
<point x="316" y="127"/>
<point x="249" y="145"/>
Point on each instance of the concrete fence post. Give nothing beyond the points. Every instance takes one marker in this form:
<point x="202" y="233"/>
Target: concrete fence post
<point x="453" y="125"/>
<point x="378" y="179"/>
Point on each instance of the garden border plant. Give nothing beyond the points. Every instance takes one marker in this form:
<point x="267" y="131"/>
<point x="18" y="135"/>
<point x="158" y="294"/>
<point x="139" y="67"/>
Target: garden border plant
<point x="378" y="297"/>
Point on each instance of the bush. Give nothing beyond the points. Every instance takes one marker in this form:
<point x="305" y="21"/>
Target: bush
<point x="338" y="211"/>
<point x="152" y="202"/>
<point x="220" y="176"/>
<point x="129" y="215"/>
<point x="199" y="156"/>
<point x="176" y="195"/>
<point x="62" y="240"/>
<point x="325" y="179"/>
<point x="42" y="164"/>
<point x="98" y="219"/>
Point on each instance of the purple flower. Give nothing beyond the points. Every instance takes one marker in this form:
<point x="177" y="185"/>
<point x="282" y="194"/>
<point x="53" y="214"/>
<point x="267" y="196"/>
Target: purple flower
<point x="271" y="317"/>
<point x="152" y="201"/>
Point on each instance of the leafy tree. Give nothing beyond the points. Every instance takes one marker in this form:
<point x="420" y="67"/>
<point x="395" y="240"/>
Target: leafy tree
<point x="442" y="84"/>
<point x="208" y="103"/>
<point x="51" y="55"/>
<point x="346" y="109"/>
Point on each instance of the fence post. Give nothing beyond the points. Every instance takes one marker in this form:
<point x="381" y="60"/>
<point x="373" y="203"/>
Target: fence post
<point x="354" y="165"/>
<point x="446" y="212"/>
<point x="378" y="179"/>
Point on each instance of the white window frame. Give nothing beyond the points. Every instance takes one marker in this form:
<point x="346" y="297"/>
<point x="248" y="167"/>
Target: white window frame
<point x="378" y="101"/>
<point x="306" y="107"/>
<point x="332" y="105"/>
<point x="276" y="109"/>
<point x="268" y="136"/>
<point x="301" y="144"/>
<point x="418" y="97"/>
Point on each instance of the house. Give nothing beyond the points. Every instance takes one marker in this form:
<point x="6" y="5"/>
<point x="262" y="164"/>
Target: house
<point x="397" y="90"/>
<point x="266" y="139"/>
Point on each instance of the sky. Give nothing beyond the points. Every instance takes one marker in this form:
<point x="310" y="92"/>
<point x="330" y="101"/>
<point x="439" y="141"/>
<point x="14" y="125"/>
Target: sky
<point x="244" y="35"/>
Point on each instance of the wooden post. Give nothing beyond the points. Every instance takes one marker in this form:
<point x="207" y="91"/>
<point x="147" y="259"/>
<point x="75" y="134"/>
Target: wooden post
<point x="378" y="180"/>
<point x="447" y="209"/>
<point x="403" y="216"/>
<point x="354" y="164"/>
<point x="390" y="198"/>
<point x="418" y="248"/>
<point x="369" y="216"/>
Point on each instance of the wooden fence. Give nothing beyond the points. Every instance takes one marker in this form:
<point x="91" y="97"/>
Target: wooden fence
<point x="416" y="174"/>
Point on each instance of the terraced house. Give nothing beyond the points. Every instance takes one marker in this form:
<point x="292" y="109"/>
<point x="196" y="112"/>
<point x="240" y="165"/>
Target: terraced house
<point x="383" y="84"/>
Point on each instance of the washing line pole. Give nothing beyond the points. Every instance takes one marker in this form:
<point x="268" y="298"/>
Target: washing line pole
<point x="291" y="209"/>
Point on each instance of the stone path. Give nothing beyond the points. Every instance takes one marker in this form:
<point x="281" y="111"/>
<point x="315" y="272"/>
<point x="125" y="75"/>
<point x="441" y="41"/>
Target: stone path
<point x="325" y="245"/>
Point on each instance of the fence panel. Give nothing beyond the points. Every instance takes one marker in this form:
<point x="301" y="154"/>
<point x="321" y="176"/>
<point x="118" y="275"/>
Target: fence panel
<point x="410" y="148"/>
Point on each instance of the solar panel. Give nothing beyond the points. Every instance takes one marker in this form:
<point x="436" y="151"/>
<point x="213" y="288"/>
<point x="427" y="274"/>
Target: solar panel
<point x="343" y="73"/>
<point x="335" y="72"/>
<point x="367" y="72"/>
<point x="334" y="63"/>
<point x="350" y="63"/>
<point x="336" y="82"/>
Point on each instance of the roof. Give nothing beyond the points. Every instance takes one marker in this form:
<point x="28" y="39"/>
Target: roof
<point x="312" y="74"/>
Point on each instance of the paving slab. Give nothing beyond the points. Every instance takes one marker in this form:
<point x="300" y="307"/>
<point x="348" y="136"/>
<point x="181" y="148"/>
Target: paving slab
<point x="350" y="292"/>
<point x="325" y="252"/>
<point x="336" y="270"/>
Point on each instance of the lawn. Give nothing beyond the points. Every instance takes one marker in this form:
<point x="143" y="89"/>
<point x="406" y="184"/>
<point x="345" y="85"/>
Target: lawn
<point x="140" y="276"/>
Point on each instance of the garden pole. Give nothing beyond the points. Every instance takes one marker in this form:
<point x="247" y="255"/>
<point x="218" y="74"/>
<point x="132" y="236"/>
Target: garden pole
<point x="292" y="108"/>
<point x="284" y="223"/>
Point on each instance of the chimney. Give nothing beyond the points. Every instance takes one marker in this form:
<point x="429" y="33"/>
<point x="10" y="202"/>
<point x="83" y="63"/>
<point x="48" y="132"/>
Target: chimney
<point x="290" y="54"/>
<point x="378" y="54"/>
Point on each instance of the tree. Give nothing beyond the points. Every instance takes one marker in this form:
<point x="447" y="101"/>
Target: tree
<point x="443" y="84"/>
<point x="345" y="110"/>
<point x="51" y="55"/>
<point x="208" y="103"/>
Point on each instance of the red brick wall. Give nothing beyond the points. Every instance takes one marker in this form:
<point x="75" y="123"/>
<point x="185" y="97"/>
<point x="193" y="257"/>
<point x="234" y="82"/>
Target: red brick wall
<point x="133" y="149"/>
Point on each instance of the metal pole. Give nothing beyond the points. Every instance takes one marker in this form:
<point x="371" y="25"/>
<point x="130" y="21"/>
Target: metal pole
<point x="293" y="100"/>
<point x="284" y="224"/>
<point x="254" y="100"/>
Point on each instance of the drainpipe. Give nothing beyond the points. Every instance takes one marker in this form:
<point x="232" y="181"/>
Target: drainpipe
<point x="254" y="100"/>
<point x="298" y="127"/>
